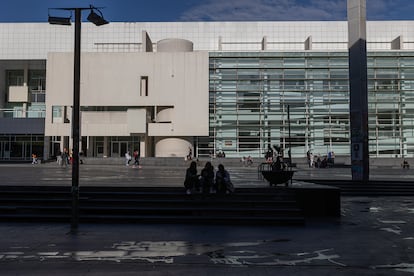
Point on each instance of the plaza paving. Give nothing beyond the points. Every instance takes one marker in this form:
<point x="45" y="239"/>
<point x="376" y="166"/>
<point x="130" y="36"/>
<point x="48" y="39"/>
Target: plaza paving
<point x="374" y="236"/>
<point x="121" y="175"/>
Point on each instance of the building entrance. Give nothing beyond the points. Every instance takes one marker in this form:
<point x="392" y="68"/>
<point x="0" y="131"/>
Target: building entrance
<point x="118" y="148"/>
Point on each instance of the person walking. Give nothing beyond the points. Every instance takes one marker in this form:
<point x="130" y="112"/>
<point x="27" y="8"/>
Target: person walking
<point x="127" y="158"/>
<point x="136" y="159"/>
<point x="34" y="158"/>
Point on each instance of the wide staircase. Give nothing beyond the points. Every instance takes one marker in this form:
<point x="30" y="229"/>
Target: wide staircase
<point x="150" y="205"/>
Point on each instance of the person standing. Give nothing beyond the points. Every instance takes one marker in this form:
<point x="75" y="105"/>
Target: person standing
<point x="311" y="160"/>
<point x="59" y="158"/>
<point x="65" y="157"/>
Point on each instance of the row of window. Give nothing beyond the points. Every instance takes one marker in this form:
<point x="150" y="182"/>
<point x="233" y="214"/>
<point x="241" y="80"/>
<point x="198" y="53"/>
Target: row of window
<point x="249" y="98"/>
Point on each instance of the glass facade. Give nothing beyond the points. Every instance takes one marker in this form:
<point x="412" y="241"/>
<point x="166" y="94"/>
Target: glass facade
<point x="36" y="83"/>
<point x="251" y="92"/>
<point x="20" y="147"/>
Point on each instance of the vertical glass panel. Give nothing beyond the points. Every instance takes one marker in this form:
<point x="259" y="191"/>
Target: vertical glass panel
<point x="57" y="114"/>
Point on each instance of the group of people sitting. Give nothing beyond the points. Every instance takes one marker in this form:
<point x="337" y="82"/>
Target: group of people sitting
<point x="207" y="181"/>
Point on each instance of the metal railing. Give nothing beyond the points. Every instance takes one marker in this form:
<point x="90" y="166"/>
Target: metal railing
<point x="20" y="113"/>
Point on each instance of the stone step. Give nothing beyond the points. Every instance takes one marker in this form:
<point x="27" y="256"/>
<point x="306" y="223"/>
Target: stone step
<point x="138" y="204"/>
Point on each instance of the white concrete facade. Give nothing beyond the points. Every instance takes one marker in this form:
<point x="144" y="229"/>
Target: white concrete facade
<point x="19" y="41"/>
<point x="174" y="105"/>
<point x="131" y="86"/>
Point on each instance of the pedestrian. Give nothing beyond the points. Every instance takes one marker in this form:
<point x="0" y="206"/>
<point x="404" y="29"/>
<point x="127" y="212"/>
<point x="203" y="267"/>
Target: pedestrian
<point x="223" y="182"/>
<point x="191" y="182"/>
<point x="405" y="164"/>
<point x="127" y="158"/>
<point x="311" y="160"/>
<point x="59" y="158"/>
<point x="249" y="161"/>
<point x="190" y="154"/>
<point x="136" y="159"/>
<point x="65" y="157"/>
<point x="34" y="158"/>
<point x="207" y="178"/>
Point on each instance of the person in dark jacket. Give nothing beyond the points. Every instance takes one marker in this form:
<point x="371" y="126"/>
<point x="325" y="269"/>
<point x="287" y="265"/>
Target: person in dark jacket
<point x="191" y="182"/>
<point x="207" y="178"/>
<point x="223" y="182"/>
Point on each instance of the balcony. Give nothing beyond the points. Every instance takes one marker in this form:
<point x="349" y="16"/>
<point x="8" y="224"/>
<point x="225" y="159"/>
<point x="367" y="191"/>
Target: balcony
<point x="18" y="94"/>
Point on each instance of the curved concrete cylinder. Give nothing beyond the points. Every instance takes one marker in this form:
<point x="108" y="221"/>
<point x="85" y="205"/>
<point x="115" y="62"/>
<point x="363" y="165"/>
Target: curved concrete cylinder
<point x="164" y="115"/>
<point x="174" y="45"/>
<point x="172" y="147"/>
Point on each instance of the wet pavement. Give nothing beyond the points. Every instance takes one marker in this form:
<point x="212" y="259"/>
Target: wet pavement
<point x="373" y="236"/>
<point x="167" y="176"/>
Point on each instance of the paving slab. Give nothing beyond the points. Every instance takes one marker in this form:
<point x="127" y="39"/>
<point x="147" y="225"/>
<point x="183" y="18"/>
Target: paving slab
<point x="171" y="176"/>
<point x="373" y="236"/>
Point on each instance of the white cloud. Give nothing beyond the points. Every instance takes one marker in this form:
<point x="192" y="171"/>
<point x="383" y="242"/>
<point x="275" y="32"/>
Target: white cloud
<point x="279" y="10"/>
<point x="390" y="10"/>
<point x="275" y="10"/>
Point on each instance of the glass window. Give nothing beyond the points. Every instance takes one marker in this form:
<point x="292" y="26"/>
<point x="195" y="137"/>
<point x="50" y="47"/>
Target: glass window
<point x="37" y="80"/>
<point x="15" y="77"/>
<point x="57" y="114"/>
<point x="143" y="90"/>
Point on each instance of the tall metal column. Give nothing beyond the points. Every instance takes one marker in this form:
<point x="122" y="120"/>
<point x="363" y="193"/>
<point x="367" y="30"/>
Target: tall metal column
<point x="358" y="86"/>
<point x="75" y="122"/>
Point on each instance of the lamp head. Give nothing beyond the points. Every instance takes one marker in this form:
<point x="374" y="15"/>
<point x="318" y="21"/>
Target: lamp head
<point x="96" y="19"/>
<point x="54" y="20"/>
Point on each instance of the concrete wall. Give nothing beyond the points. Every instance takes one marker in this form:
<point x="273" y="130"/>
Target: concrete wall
<point x="172" y="147"/>
<point x="176" y="80"/>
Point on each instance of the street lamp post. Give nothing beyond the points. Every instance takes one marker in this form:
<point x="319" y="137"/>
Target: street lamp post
<point x="98" y="20"/>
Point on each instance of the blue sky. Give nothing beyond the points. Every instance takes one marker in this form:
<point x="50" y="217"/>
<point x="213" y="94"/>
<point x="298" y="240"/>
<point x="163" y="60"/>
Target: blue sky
<point x="208" y="10"/>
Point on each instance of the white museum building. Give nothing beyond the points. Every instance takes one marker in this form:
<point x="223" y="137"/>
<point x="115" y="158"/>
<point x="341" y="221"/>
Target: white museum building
<point x="166" y="87"/>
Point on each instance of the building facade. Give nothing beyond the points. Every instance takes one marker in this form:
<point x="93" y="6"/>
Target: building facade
<point x="211" y="87"/>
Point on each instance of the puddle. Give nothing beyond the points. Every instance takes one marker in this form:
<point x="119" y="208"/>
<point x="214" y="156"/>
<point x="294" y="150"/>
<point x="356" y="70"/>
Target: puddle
<point x="391" y="230"/>
<point x="403" y="267"/>
<point x="375" y="209"/>
<point x="392" y="221"/>
<point x="168" y="252"/>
